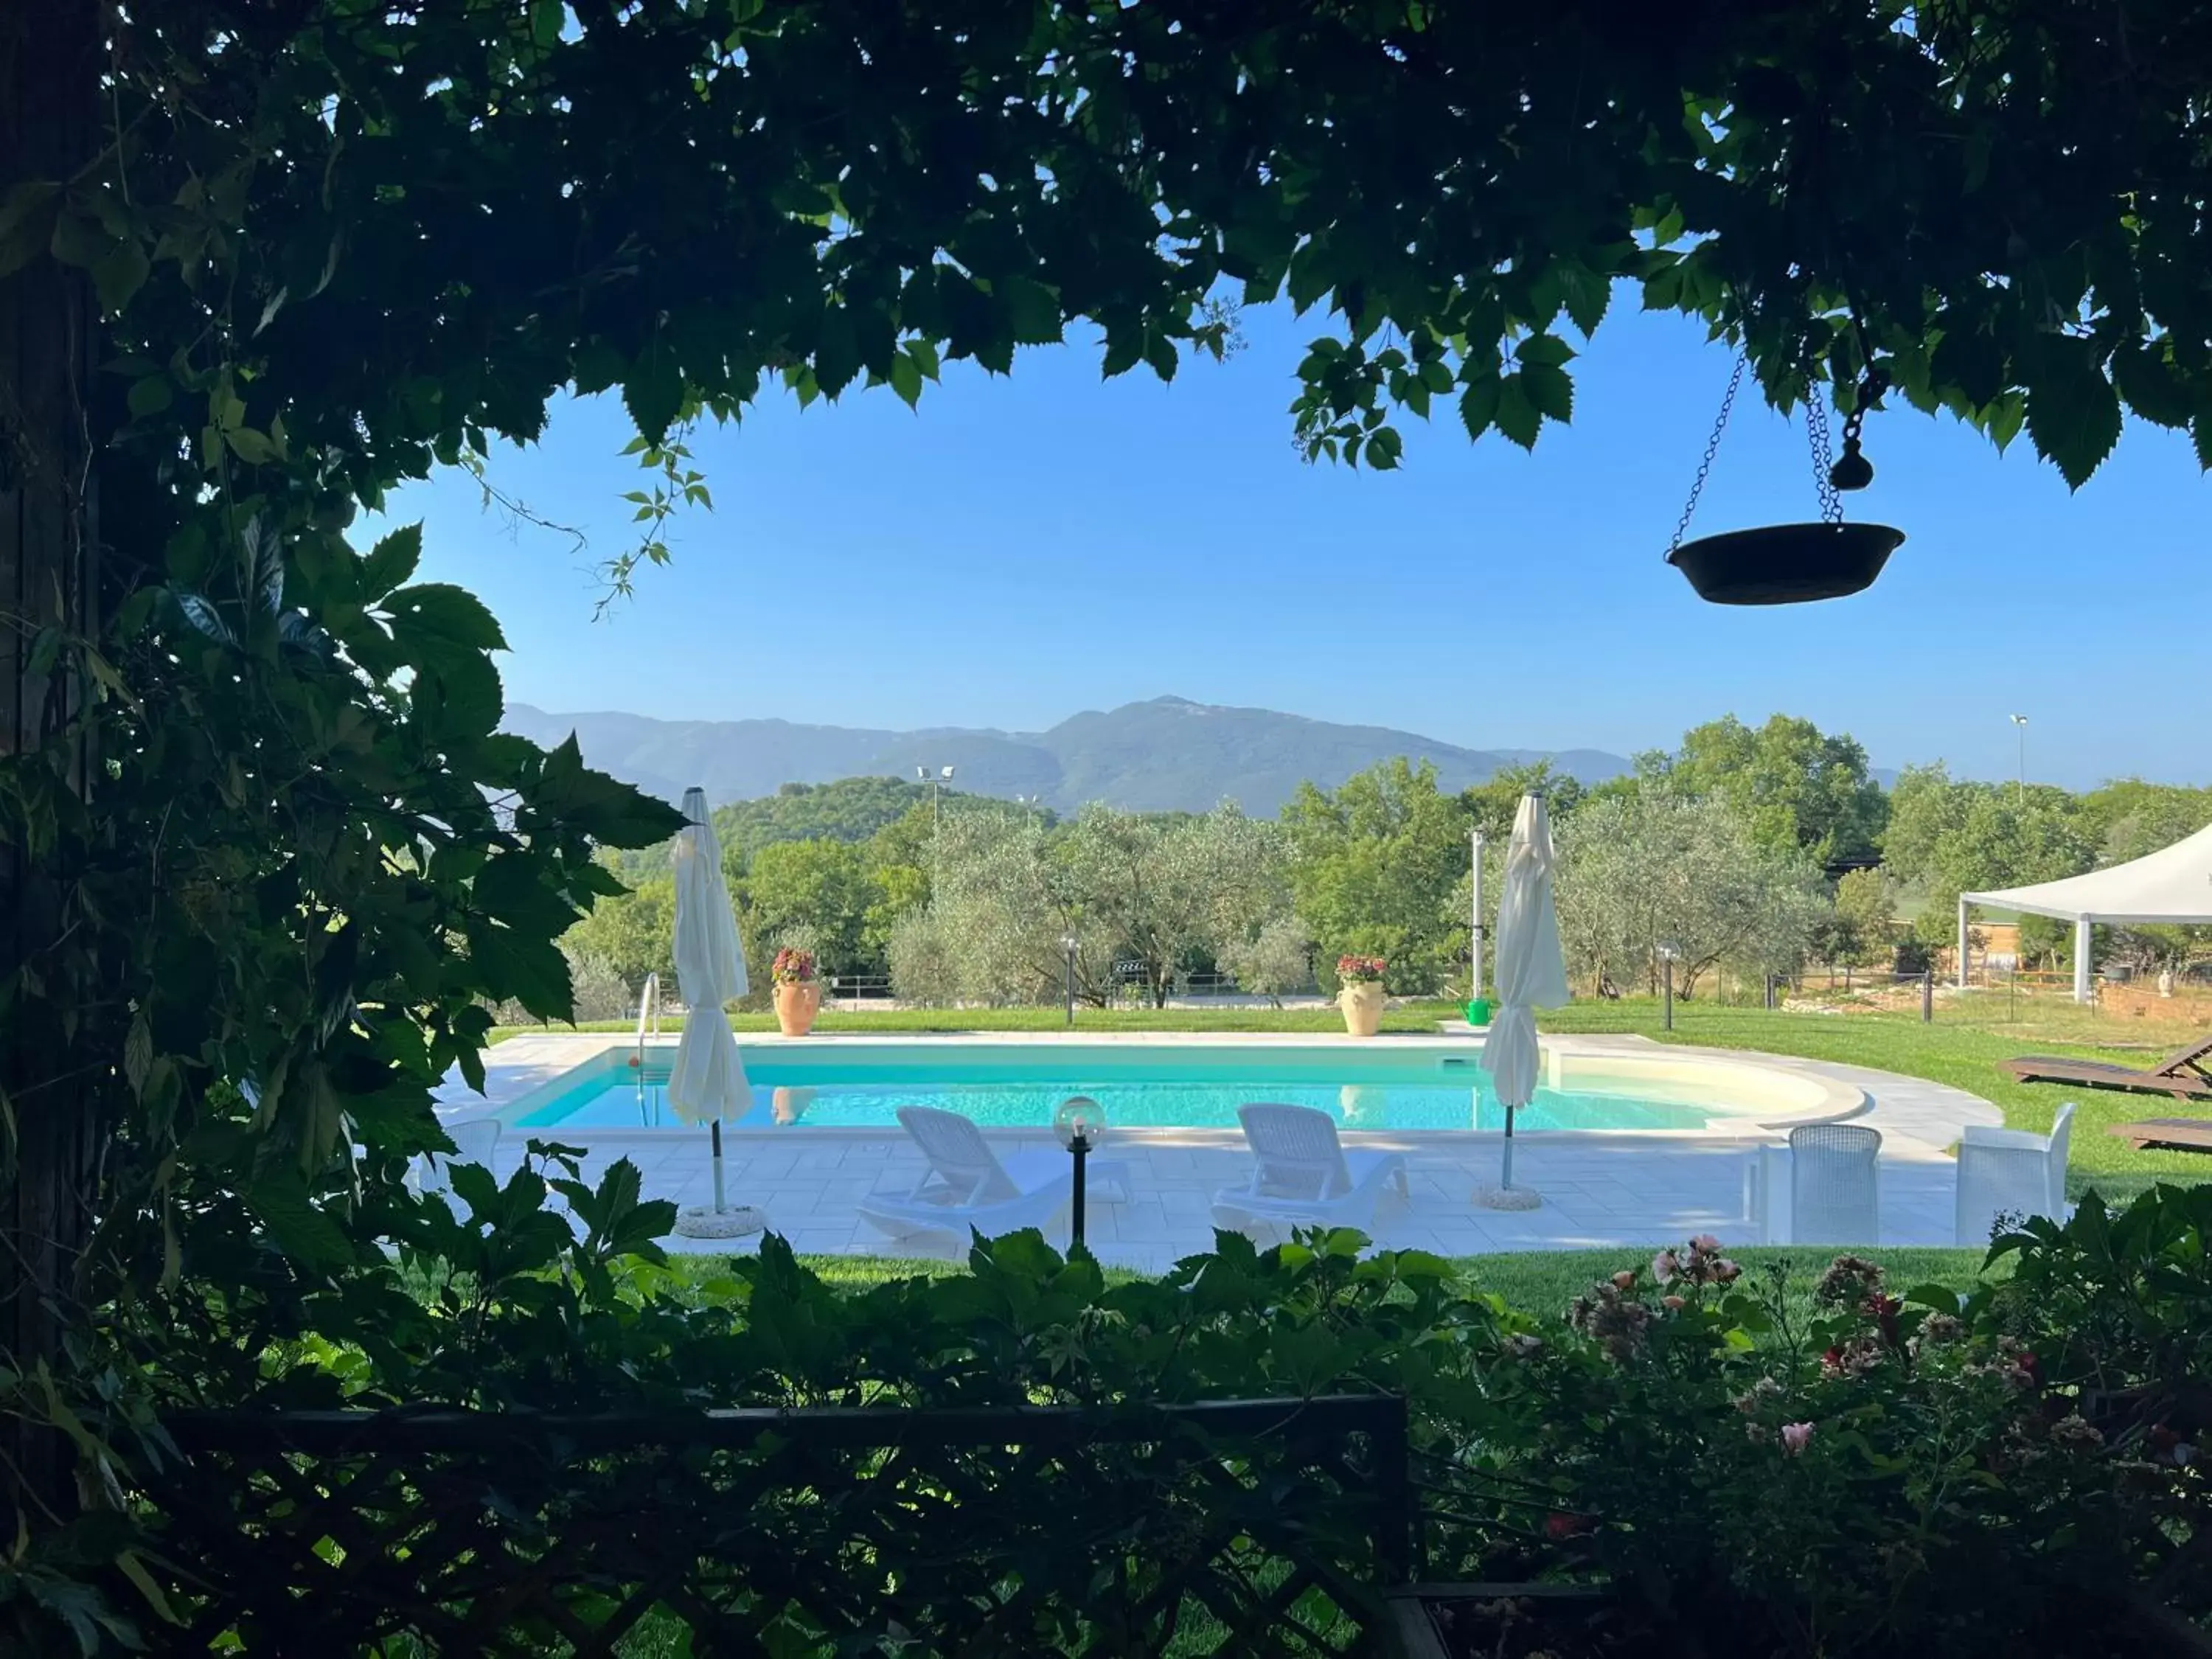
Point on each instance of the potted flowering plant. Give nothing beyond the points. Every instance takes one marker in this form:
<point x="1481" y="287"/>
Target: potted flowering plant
<point x="1360" y="993"/>
<point x="798" y="992"/>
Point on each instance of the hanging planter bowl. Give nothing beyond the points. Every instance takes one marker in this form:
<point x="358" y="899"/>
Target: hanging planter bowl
<point x="1786" y="563"/>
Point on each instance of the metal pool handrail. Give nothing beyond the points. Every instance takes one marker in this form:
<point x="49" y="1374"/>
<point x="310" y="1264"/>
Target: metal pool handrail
<point x="648" y="1007"/>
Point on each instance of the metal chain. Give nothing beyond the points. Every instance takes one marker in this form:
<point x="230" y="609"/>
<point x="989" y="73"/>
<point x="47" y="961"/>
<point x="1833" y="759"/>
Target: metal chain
<point x="1816" y="430"/>
<point x="1705" y="466"/>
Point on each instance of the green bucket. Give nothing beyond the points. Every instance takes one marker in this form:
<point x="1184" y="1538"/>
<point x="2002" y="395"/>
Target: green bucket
<point x="1478" y="1011"/>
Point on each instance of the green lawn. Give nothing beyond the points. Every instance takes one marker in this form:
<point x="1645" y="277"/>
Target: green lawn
<point x="1963" y="1047"/>
<point x="1539" y="1281"/>
<point x="1414" y="1016"/>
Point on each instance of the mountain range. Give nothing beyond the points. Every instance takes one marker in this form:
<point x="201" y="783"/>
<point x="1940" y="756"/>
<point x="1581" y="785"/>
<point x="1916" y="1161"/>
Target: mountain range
<point x="1165" y="755"/>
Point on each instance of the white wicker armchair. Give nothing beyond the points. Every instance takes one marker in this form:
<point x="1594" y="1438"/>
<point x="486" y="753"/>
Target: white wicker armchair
<point x="1835" y="1194"/>
<point x="2011" y="1172"/>
<point x="474" y="1143"/>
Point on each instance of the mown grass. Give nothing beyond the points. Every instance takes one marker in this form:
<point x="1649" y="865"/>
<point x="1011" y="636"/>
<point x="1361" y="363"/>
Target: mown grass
<point x="1416" y="1017"/>
<point x="1964" y="1047"/>
<point x="1541" y="1282"/>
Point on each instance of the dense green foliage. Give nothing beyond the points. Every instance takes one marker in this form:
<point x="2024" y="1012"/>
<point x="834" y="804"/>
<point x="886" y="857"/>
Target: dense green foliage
<point x="1719" y="847"/>
<point x="852" y="809"/>
<point x="337" y="245"/>
<point x="1830" y="1473"/>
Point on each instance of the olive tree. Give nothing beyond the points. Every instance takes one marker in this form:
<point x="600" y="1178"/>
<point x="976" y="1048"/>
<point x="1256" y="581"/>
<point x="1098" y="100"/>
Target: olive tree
<point x="1656" y="870"/>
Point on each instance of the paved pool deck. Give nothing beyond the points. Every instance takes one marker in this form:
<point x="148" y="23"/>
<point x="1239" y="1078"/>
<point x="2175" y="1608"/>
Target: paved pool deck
<point x="1599" y="1189"/>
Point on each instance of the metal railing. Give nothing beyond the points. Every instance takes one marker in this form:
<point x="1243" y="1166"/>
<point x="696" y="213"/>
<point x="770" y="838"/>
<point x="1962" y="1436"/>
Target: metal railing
<point x="648" y="1008"/>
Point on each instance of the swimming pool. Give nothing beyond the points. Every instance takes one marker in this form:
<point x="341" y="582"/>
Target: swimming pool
<point x="1429" y="1086"/>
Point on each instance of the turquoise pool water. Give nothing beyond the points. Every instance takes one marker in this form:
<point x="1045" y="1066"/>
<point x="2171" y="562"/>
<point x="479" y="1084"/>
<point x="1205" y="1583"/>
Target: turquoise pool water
<point x="1162" y="1088"/>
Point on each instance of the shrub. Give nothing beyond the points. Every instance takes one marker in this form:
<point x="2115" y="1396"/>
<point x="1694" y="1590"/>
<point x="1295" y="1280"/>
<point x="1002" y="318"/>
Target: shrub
<point x="2011" y="1471"/>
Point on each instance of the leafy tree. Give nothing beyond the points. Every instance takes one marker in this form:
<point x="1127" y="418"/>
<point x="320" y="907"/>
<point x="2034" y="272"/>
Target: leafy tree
<point x="634" y="934"/>
<point x="1793" y="785"/>
<point x="1662" y="869"/>
<point x="261" y="837"/>
<point x="1166" y="889"/>
<point x="1925" y="806"/>
<point x="820" y="885"/>
<point x="1373" y="865"/>
<point x="1866" y="913"/>
<point x="1492" y="803"/>
<point x="2130" y="818"/>
<point x="1276" y="960"/>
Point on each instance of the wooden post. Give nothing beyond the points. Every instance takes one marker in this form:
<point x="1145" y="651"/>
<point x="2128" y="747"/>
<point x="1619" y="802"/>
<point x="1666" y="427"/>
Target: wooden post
<point x="51" y="127"/>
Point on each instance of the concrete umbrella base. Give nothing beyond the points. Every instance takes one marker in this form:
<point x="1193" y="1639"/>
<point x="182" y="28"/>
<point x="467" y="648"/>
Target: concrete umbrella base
<point x="1507" y="1198"/>
<point x="703" y="1221"/>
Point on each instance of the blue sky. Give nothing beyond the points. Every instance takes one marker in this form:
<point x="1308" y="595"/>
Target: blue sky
<point x="1023" y="548"/>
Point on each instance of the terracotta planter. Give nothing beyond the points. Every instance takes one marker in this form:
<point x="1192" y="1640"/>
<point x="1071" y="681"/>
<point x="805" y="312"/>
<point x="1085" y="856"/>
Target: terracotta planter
<point x="1362" y="1008"/>
<point x="797" y="1003"/>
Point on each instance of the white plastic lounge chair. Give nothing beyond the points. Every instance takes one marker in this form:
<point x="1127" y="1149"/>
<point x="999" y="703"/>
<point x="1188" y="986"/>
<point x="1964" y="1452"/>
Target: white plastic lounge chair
<point x="1303" y="1176"/>
<point x="1835" y="1196"/>
<point x="2011" y="1171"/>
<point x="969" y="1186"/>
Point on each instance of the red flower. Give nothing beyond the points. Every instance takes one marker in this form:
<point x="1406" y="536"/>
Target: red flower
<point x="1831" y="1362"/>
<point x="1559" y="1525"/>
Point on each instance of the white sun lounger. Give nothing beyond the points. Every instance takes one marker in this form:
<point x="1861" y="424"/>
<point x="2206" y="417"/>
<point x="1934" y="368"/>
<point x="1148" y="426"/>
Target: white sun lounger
<point x="1303" y="1177"/>
<point x="969" y="1186"/>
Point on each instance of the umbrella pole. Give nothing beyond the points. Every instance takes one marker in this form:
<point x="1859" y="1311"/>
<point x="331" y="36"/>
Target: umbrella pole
<point x="718" y="1166"/>
<point x="1505" y="1174"/>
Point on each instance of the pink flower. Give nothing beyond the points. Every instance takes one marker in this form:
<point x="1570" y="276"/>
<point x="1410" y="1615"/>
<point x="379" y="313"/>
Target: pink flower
<point x="1624" y="1281"/>
<point x="1673" y="1303"/>
<point x="1795" y="1437"/>
<point x="1726" y="1272"/>
<point x="1665" y="1266"/>
<point x="1706" y="1243"/>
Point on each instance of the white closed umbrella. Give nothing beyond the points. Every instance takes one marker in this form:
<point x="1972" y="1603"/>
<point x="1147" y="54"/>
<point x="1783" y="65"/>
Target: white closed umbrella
<point x="1530" y="974"/>
<point x="707" y="1083"/>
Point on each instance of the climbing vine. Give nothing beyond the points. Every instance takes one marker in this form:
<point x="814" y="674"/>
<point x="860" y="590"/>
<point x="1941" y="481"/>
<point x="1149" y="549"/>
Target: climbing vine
<point x="282" y="856"/>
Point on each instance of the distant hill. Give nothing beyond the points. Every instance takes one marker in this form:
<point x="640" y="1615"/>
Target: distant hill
<point x="1167" y="755"/>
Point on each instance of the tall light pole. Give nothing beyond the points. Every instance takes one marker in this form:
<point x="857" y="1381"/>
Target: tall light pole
<point x="936" y="781"/>
<point x="2020" y="721"/>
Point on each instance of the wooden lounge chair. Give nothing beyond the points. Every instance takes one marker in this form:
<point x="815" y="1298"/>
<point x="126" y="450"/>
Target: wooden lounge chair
<point x="2182" y="1135"/>
<point x="2184" y="1074"/>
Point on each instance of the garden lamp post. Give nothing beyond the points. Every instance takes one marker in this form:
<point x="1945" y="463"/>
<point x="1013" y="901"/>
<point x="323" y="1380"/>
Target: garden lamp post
<point x="1667" y="955"/>
<point x="1080" y="1123"/>
<point x="1068" y="944"/>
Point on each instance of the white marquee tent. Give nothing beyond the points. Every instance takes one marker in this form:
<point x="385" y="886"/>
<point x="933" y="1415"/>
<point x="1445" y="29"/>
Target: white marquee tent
<point x="2173" y="884"/>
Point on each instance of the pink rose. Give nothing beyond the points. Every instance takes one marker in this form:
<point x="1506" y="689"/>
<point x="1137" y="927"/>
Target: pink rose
<point x="1624" y="1281"/>
<point x="1706" y="1243"/>
<point x="1726" y="1272"/>
<point x="1795" y="1437"/>
<point x="1665" y="1266"/>
<point x="1673" y="1303"/>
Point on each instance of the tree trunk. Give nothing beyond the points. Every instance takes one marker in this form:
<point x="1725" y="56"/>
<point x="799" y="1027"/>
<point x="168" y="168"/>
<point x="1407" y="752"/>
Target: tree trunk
<point x="49" y="129"/>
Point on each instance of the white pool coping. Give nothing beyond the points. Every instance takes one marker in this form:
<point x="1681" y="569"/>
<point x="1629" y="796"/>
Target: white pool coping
<point x="1601" y="1187"/>
<point x="1747" y="1093"/>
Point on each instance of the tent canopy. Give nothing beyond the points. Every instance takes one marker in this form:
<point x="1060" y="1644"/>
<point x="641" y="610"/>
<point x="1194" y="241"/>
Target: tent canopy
<point x="2173" y="884"/>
